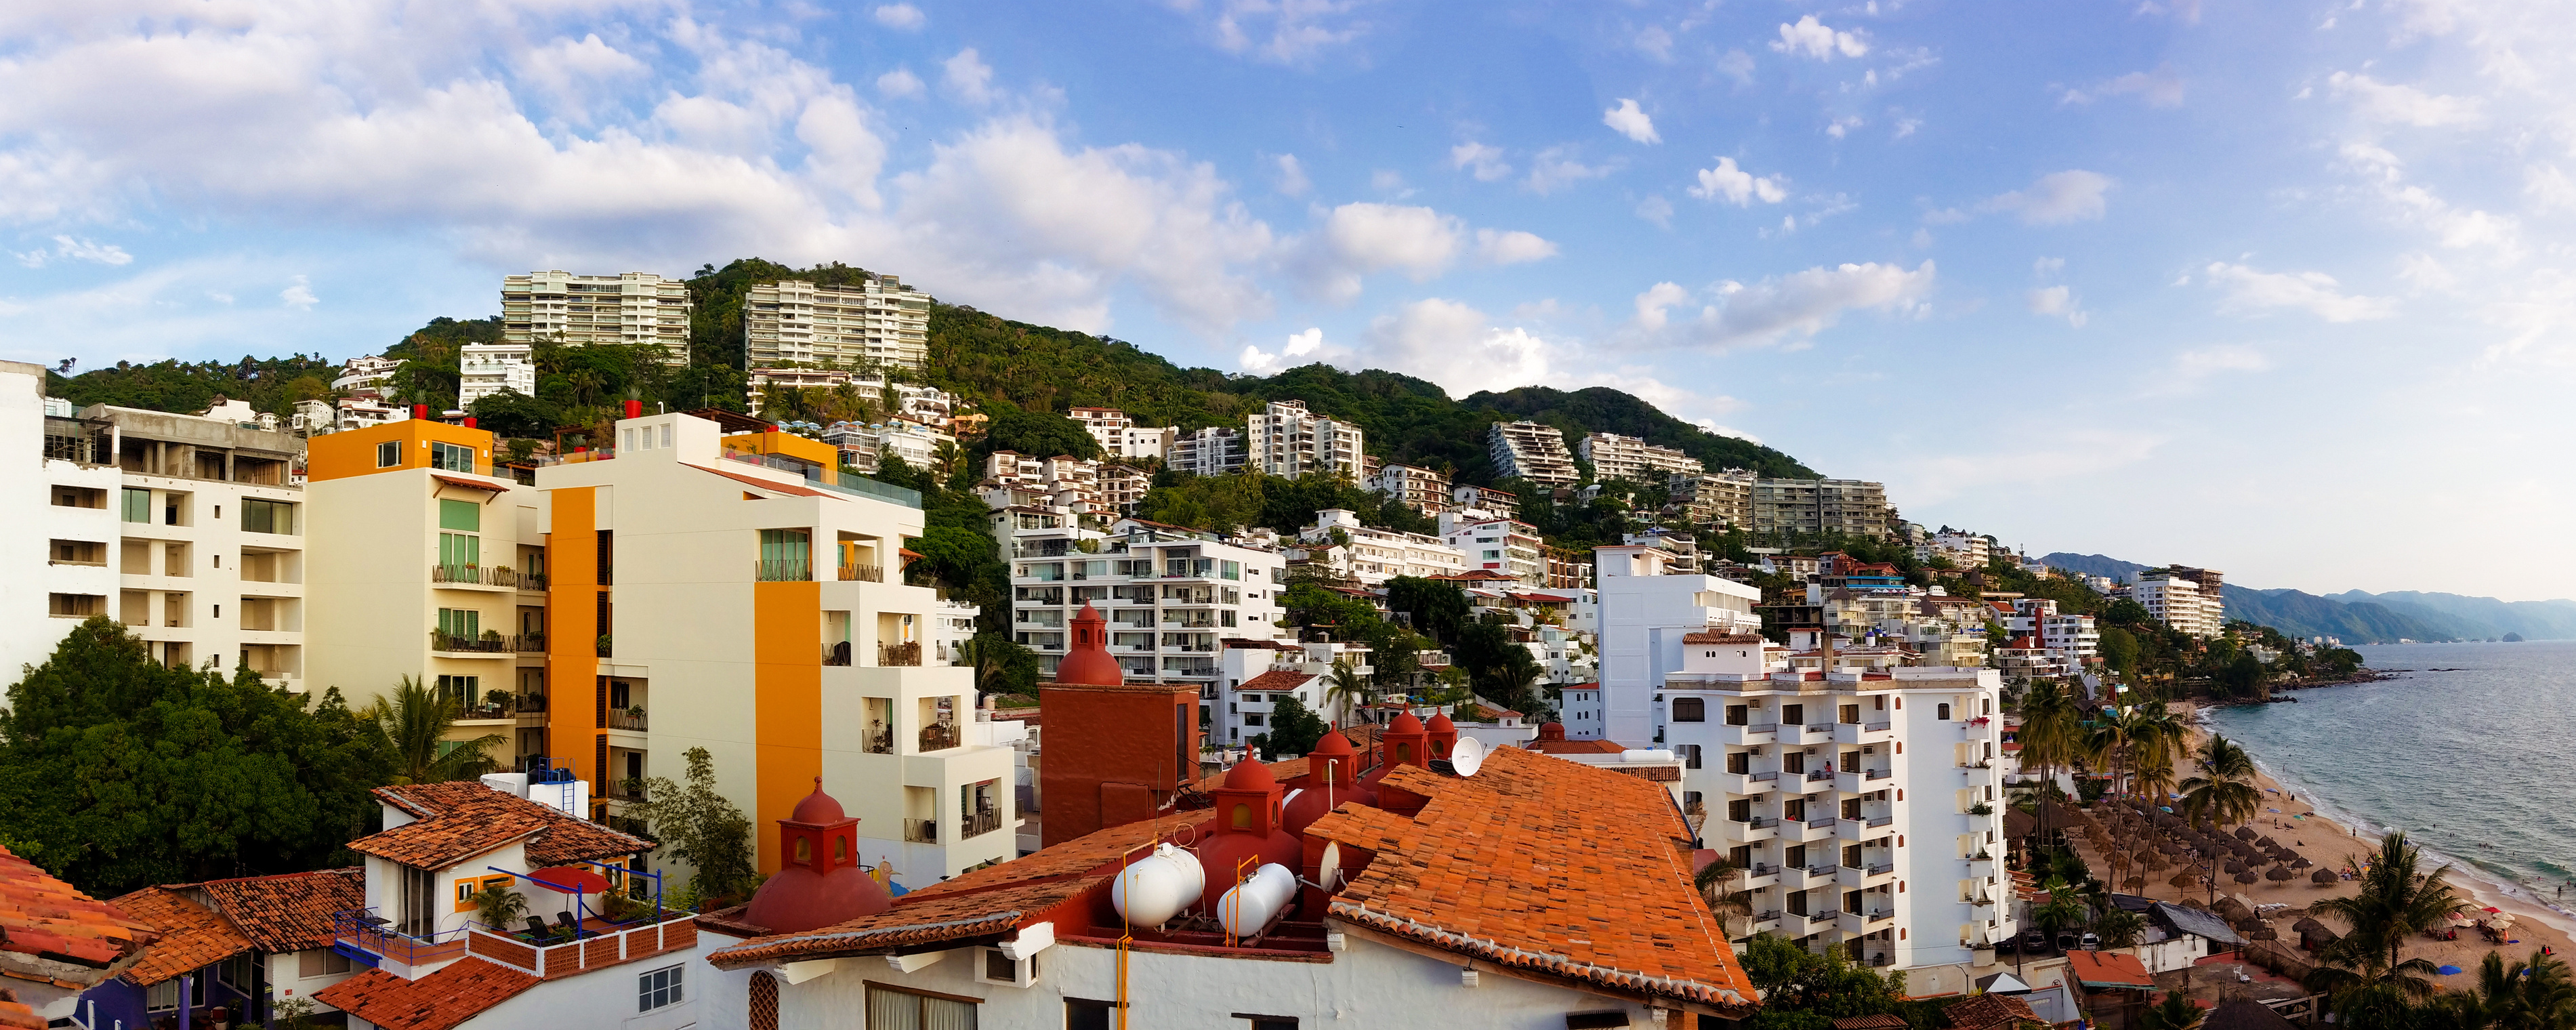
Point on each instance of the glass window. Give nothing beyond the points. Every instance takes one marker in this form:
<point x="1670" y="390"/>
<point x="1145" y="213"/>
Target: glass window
<point x="460" y="515"/>
<point x="1690" y="709"/>
<point x="459" y="550"/>
<point x="892" y="1009"/>
<point x="461" y="623"/>
<point x="388" y="454"/>
<point x="138" y="505"/>
<point x="1234" y="570"/>
<point x="658" y="989"/>
<point x="451" y="457"/>
<point x="260" y="516"/>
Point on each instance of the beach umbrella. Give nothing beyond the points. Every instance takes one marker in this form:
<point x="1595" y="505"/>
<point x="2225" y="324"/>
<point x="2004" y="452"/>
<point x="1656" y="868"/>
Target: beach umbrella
<point x="2263" y="933"/>
<point x="2280" y="873"/>
<point x="2235" y="867"/>
<point x="2302" y="862"/>
<point x="2194" y="903"/>
<point x="2307" y="924"/>
<point x="2248" y="878"/>
<point x="2449" y="970"/>
<point x="2245" y="833"/>
<point x="2134" y="882"/>
<point x="2268" y="842"/>
<point x="2185" y="878"/>
<point x="2157" y="864"/>
<point x="2322" y="876"/>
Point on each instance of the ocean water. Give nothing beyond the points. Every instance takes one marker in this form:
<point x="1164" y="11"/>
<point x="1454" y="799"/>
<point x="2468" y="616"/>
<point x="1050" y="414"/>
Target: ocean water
<point x="2468" y="748"/>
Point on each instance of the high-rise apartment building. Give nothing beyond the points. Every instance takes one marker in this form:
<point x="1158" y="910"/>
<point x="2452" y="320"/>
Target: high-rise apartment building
<point x="1626" y="457"/>
<point x="879" y="322"/>
<point x="1370" y="556"/>
<point x="1722" y="499"/>
<point x="1171" y="595"/>
<point x="186" y="528"/>
<point x="1645" y="609"/>
<point x="1533" y="451"/>
<point x="1503" y="545"/>
<point x="484" y="369"/>
<point x="1212" y="451"/>
<point x="1121" y="437"/>
<point x="633" y="308"/>
<point x="1426" y="490"/>
<point x="1286" y="440"/>
<point x="2185" y="598"/>
<point x="1849" y="507"/>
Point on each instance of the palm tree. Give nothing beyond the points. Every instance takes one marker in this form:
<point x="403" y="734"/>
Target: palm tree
<point x="2175" y="1012"/>
<point x="2224" y="791"/>
<point x="2064" y="908"/>
<point x="1717" y="885"/>
<point x="2048" y="735"/>
<point x="497" y="906"/>
<point x="2119" y="927"/>
<point x="2534" y="995"/>
<point x="416" y="721"/>
<point x="1345" y="686"/>
<point x="2366" y="967"/>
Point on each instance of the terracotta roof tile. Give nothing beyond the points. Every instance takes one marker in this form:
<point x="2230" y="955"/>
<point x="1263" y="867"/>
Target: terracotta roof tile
<point x="289" y="913"/>
<point x="1721" y="638"/>
<point x="438" y="1001"/>
<point x="18" y="1015"/>
<point x="2108" y="969"/>
<point x="49" y="931"/>
<point x="192" y="935"/>
<point x="1555" y="866"/>
<point x="1278" y="680"/>
<point x="457" y="821"/>
<point x="1578" y="747"/>
<point x="1991" y="1012"/>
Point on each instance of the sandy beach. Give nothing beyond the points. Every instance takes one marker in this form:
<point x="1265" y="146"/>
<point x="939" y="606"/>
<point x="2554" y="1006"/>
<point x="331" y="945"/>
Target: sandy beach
<point x="2294" y="821"/>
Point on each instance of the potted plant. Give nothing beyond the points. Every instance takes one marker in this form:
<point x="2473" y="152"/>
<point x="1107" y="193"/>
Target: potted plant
<point x="635" y="711"/>
<point x="498" y="701"/>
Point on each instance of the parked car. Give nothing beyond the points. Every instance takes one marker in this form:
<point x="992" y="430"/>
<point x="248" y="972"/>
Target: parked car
<point x="2034" y="941"/>
<point x="2092" y="942"/>
<point x="2066" y="940"/>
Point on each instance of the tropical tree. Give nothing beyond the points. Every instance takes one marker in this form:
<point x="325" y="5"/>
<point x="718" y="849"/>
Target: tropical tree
<point x="2224" y="792"/>
<point x="1001" y="665"/>
<point x="2174" y="1012"/>
<point x="416" y="721"/>
<point x="2064" y="907"/>
<point x="498" y="906"/>
<point x="1346" y="688"/>
<point x="2366" y="968"/>
<point x="2119" y="927"/>
<point x="2050" y="736"/>
<point x="1718" y="885"/>
<point x="2533" y="995"/>
<point x="697" y="825"/>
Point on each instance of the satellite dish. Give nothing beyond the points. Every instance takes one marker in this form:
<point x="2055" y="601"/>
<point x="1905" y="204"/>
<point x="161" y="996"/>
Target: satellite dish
<point x="1467" y="756"/>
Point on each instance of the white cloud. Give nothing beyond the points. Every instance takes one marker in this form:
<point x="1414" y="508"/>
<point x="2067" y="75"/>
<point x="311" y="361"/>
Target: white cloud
<point x="2048" y="266"/>
<point x="1737" y="65"/>
<point x="967" y="76"/>
<point x="1498" y="247"/>
<point x="900" y="82"/>
<point x="901" y="17"/>
<point x="76" y="249"/>
<point x="2057" y="198"/>
<point x="1556" y="168"/>
<point x="299" y="294"/>
<point x="1299" y="31"/>
<point x="2159" y="88"/>
<point x="1261" y="362"/>
<point x="2256" y="292"/>
<point x="1292" y="177"/>
<point x="1843" y="126"/>
<point x="1627" y="119"/>
<point x="2549" y="188"/>
<point x="1738" y="187"/>
<point x="1810" y="38"/>
<point x="2494" y="236"/>
<point x="569" y="70"/>
<point x="1359" y="239"/>
<point x="2209" y="361"/>
<point x="1657" y="210"/>
<point x="1484" y="162"/>
<point x="2404" y="105"/>
<point x="1656" y="43"/>
<point x="1789" y="308"/>
<point x="2057" y="302"/>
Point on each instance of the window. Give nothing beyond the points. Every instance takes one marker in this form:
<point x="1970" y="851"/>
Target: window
<point x="1942" y="713"/>
<point x="451" y="457"/>
<point x="260" y="516"/>
<point x="891" y="1008"/>
<point x="465" y="689"/>
<point x="138" y="505"/>
<point x="1690" y="709"/>
<point x="1690" y="756"/>
<point x="1081" y="1014"/>
<point x="658" y="989"/>
<point x="313" y="962"/>
<point x="1268" y="1022"/>
<point x="388" y="454"/>
<point x="460" y="623"/>
<point x="75" y="606"/>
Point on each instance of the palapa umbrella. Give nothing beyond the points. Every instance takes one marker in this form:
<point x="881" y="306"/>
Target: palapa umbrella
<point x="2302" y="862"/>
<point x="2306" y="924"/>
<point x="2134" y="882"/>
<point x="2268" y="842"/>
<point x="2184" y="878"/>
<point x="2195" y="903"/>
<point x="2280" y="873"/>
<point x="2235" y="867"/>
<point x="2263" y="933"/>
<point x="2157" y="864"/>
<point x="2322" y="876"/>
<point x="2248" y="878"/>
<point x="2245" y="833"/>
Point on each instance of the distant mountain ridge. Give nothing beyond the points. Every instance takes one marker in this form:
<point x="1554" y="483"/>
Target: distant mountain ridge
<point x="2359" y="617"/>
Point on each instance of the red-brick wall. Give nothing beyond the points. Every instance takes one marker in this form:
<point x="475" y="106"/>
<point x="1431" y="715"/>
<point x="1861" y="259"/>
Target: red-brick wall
<point x="1112" y="754"/>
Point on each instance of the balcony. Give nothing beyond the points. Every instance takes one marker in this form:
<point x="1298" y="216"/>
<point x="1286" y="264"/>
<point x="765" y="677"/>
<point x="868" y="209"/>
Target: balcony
<point x="837" y="654"/>
<point x="782" y="570"/>
<point x="1743" y="736"/>
<point x="490" y="577"/>
<point x="1983" y="868"/>
<point x="1749" y="783"/>
<point x="1759" y="877"/>
<point x="1823" y="775"/>
<point x="628" y="719"/>
<point x="899" y="654"/>
<point x="489" y="645"/>
<point x="1811" y="830"/>
<point x="531" y="643"/>
<point x="1751" y="831"/>
<point x="1798" y="878"/>
<point x="921" y="831"/>
<point x="980" y="823"/>
<point x="862" y="573"/>
<point x="939" y="736"/>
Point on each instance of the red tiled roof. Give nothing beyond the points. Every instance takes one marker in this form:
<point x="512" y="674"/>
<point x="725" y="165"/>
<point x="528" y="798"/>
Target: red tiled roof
<point x="1721" y="638"/>
<point x="49" y="930"/>
<point x="1578" y="747"/>
<point x="438" y="1001"/>
<point x="1278" y="680"/>
<point x="1991" y="1012"/>
<point x="475" y="484"/>
<point x="19" y="1016"/>
<point x="1554" y="866"/>
<point x="289" y="913"/>
<point x="192" y="935"/>
<point x="2108" y="969"/>
<point x="457" y="821"/>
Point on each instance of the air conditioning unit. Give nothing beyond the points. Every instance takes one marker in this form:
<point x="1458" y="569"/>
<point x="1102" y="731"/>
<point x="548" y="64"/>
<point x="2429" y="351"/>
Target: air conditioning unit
<point x="1811" y="751"/>
<point x="1002" y="970"/>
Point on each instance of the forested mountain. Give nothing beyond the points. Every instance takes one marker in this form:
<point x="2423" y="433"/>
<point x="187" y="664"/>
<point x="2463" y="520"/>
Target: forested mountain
<point x="2358" y="617"/>
<point x="2482" y="617"/>
<point x="2094" y="565"/>
<point x="2299" y="614"/>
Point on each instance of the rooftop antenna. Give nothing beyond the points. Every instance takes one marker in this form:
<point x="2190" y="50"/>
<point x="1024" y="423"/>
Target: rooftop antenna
<point x="1467" y="756"/>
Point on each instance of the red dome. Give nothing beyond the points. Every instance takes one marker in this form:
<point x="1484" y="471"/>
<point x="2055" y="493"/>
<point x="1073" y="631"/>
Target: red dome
<point x="1440" y="724"/>
<point x="1249" y="774"/>
<point x="1088" y="663"/>
<point x="1403" y="724"/>
<point x="1551" y="731"/>
<point x="818" y="808"/>
<point x="798" y="898"/>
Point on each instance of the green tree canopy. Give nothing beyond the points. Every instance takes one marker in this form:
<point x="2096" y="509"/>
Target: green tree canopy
<point x="1037" y="434"/>
<point x="1294" y="728"/>
<point x="696" y="825"/>
<point x="126" y="772"/>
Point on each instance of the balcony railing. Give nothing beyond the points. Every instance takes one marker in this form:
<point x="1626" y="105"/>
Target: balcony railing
<point x="863" y="573"/>
<point x="626" y="719"/>
<point x="980" y="823"/>
<point x="782" y="570"/>
<point x="531" y="642"/>
<point x="899" y="654"/>
<point x="474" y="575"/>
<point x="921" y="831"/>
<point x="1814" y="775"/>
<point x="939" y="736"/>
<point x="837" y="654"/>
<point x="440" y="640"/>
<point x="1878" y="727"/>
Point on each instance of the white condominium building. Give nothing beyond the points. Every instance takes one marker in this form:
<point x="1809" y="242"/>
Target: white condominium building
<point x="1850" y="507"/>
<point x="1533" y="451"/>
<point x="1121" y="437"/>
<point x="1626" y="457"/>
<point x="485" y="369"/>
<point x="1645" y="609"/>
<point x="1213" y="451"/>
<point x="186" y="528"/>
<point x="1288" y="441"/>
<point x="368" y="375"/>
<point x="1722" y="499"/>
<point x="1866" y="805"/>
<point x="1503" y="545"/>
<point x="2184" y="598"/>
<point x="1426" y="490"/>
<point x="632" y="308"/>
<point x="1371" y="556"/>
<point x="881" y="321"/>
<point x="1171" y="595"/>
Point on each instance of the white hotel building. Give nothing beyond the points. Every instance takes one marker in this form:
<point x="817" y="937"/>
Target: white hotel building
<point x="881" y="321"/>
<point x="577" y="310"/>
<point x="1171" y="595"/>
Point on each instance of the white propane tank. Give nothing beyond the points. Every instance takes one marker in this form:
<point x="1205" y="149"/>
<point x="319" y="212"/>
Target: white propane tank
<point x="1658" y="754"/>
<point x="1252" y="904"/>
<point x="1153" y="889"/>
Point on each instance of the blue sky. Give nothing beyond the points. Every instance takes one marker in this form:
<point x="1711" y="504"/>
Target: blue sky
<point x="2281" y="288"/>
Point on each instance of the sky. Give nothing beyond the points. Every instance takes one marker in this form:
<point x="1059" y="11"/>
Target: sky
<point x="2282" y="288"/>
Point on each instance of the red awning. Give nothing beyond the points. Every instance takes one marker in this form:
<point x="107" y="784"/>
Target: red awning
<point x="471" y="484"/>
<point x="565" y="879"/>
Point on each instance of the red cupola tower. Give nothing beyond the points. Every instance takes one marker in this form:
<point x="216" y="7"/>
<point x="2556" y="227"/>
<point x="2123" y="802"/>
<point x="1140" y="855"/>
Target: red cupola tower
<point x="1248" y="825"/>
<point x="821" y="883"/>
<point x="1332" y="777"/>
<point x="1087" y="662"/>
<point x="1442" y="733"/>
<point x="1403" y="743"/>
